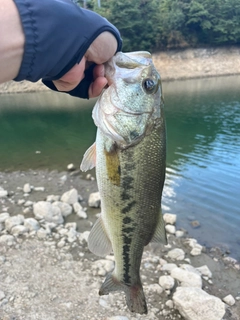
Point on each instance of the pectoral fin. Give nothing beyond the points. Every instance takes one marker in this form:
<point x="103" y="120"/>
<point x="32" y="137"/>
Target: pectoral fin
<point x="160" y="232"/>
<point x="98" y="241"/>
<point x="89" y="158"/>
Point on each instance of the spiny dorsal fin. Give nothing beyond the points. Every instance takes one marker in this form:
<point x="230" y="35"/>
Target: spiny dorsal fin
<point x="98" y="241"/>
<point x="160" y="232"/>
<point x="89" y="158"/>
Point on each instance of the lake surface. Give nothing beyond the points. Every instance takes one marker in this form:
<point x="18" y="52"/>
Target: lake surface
<point x="49" y="130"/>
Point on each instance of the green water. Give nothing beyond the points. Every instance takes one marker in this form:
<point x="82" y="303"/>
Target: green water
<point x="49" y="130"/>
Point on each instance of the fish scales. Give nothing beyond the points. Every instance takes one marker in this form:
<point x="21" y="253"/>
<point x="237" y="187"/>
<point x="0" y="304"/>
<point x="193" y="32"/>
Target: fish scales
<point x="130" y="156"/>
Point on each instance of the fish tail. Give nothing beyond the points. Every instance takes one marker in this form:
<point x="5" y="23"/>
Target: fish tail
<point x="135" y="297"/>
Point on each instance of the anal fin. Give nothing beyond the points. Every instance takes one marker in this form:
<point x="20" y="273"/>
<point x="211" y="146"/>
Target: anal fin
<point x="98" y="241"/>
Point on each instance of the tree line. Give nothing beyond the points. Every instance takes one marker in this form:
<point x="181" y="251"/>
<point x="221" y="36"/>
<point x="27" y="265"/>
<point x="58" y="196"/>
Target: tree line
<point x="170" y="24"/>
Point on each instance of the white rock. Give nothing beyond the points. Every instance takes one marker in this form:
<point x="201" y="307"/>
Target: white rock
<point x="166" y="282"/>
<point x="21" y="202"/>
<point x="27" y="188"/>
<point x="14" y="221"/>
<point x="70" y="196"/>
<point x="32" y="224"/>
<point x="229" y="300"/>
<point x="28" y="203"/>
<point x="107" y="265"/>
<point x="168" y="267"/>
<point x="169" y="304"/>
<point x="196" y="304"/>
<point x="84" y="236"/>
<point x="1" y="227"/>
<point x="176" y="254"/>
<point x="71" y="167"/>
<point x="4" y="216"/>
<point x="66" y="209"/>
<point x="50" y="213"/>
<point x="170" y="229"/>
<point x="196" y="252"/>
<point x="187" y="279"/>
<point x="3" y="193"/>
<point x="204" y="270"/>
<point x="94" y="200"/>
<point x="79" y="210"/>
<point x="71" y="225"/>
<point x="72" y="235"/>
<point x="7" y="239"/>
<point x="42" y="233"/>
<point x="2" y="295"/>
<point x="190" y="268"/>
<point x="39" y="189"/>
<point x="19" y="230"/>
<point x="170" y="218"/>
<point x="156" y="288"/>
<point x="179" y="233"/>
<point x="52" y="198"/>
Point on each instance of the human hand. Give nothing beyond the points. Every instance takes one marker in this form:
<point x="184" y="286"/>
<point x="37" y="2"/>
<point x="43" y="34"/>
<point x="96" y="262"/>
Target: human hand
<point x="100" y="51"/>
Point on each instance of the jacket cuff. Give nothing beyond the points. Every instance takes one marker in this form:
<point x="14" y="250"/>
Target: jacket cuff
<point x="57" y="35"/>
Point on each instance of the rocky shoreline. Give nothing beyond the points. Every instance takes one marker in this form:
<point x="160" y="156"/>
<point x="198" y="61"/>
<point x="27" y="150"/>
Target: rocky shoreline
<point x="172" y="65"/>
<point x="47" y="271"/>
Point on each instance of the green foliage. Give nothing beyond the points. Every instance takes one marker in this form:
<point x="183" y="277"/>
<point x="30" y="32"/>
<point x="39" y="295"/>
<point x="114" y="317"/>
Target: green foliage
<point x="154" y="24"/>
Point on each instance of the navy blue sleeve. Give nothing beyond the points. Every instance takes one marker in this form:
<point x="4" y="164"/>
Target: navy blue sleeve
<point x="57" y="35"/>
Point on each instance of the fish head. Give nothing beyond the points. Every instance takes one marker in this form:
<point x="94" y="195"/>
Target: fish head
<point x="131" y="104"/>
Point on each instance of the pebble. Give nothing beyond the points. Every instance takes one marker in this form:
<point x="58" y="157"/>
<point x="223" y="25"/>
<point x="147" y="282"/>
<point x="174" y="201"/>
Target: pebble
<point x="169" y="304"/>
<point x="156" y="288"/>
<point x="196" y="304"/>
<point x="196" y="252"/>
<point x="71" y="167"/>
<point x="7" y="239"/>
<point x="4" y="216"/>
<point x="47" y="211"/>
<point x="176" y="254"/>
<point x="229" y="300"/>
<point x="14" y="221"/>
<point x="66" y="209"/>
<point x="21" y="202"/>
<point x="204" y="270"/>
<point x="27" y="188"/>
<point x="168" y="267"/>
<point x="32" y="224"/>
<point x="39" y="189"/>
<point x="179" y="233"/>
<point x="42" y="233"/>
<point x="70" y="196"/>
<point x="19" y="230"/>
<point x="2" y="295"/>
<point x="187" y="278"/>
<point x="170" y="218"/>
<point x="3" y="193"/>
<point x="94" y="200"/>
<point x="78" y="209"/>
<point x="52" y="198"/>
<point x="166" y="282"/>
<point x="170" y="229"/>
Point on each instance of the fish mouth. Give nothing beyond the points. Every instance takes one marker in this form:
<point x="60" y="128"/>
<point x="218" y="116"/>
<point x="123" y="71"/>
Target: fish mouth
<point x="116" y="67"/>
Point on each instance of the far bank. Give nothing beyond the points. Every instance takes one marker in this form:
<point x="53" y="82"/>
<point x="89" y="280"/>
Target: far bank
<point x="172" y="65"/>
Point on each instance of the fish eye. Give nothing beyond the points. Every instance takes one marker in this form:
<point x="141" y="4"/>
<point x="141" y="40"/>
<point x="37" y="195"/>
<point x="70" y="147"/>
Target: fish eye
<point x="149" y="86"/>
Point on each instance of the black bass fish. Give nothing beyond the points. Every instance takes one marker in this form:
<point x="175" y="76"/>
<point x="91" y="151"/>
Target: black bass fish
<point x="130" y="159"/>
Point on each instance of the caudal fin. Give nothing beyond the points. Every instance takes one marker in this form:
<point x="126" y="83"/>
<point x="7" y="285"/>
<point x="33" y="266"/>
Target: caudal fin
<point x="135" y="298"/>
